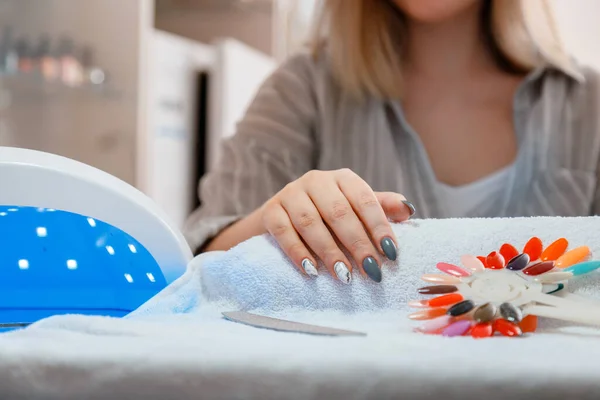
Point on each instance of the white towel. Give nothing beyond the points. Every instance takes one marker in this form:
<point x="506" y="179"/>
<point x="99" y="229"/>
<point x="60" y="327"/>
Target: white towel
<point x="257" y="276"/>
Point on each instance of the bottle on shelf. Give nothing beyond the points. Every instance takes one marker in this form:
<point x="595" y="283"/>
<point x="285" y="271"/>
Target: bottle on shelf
<point x="46" y="62"/>
<point x="71" y="72"/>
<point x="92" y="75"/>
<point x="24" y="56"/>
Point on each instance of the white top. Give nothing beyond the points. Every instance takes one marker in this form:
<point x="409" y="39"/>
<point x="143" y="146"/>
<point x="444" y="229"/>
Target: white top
<point x="460" y="201"/>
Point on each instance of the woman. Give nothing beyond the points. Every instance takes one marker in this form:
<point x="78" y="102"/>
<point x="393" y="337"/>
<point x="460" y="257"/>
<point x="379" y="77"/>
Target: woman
<point x="469" y="108"/>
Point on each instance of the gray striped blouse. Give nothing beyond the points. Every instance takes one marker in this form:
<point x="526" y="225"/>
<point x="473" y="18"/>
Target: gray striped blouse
<point x="300" y="120"/>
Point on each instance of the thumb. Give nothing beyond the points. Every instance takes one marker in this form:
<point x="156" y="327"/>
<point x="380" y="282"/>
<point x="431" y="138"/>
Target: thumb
<point x="395" y="206"/>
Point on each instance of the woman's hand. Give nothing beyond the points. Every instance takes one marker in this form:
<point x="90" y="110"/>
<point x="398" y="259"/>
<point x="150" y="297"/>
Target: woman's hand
<point x="305" y="216"/>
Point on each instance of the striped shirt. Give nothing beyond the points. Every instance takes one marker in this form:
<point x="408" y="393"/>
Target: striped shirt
<point x="301" y="120"/>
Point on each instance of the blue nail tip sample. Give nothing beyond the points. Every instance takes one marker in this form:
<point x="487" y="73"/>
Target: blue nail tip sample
<point x="583" y="268"/>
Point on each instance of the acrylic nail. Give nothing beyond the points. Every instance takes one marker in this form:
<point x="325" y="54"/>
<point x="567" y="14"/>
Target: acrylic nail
<point x="342" y="272"/>
<point x="372" y="269"/>
<point x="309" y="268"/>
<point x="411" y="207"/>
<point x="389" y="248"/>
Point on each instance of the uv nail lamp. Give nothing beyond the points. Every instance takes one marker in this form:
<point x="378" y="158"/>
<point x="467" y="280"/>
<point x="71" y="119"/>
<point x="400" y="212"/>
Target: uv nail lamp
<point x="75" y="240"/>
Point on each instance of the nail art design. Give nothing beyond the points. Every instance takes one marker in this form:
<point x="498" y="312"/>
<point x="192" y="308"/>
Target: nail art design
<point x="410" y="206"/>
<point x="342" y="272"/>
<point x="389" y="248"/>
<point x="372" y="269"/>
<point x="309" y="267"/>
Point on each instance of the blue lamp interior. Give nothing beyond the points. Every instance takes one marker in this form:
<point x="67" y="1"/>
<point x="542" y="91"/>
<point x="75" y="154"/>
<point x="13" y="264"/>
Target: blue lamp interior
<point x="56" y="262"/>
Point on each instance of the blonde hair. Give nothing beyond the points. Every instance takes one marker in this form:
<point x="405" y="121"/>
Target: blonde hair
<point x="363" y="39"/>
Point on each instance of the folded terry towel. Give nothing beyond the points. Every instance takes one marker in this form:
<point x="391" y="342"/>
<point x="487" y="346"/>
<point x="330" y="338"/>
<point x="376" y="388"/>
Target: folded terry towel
<point x="257" y="276"/>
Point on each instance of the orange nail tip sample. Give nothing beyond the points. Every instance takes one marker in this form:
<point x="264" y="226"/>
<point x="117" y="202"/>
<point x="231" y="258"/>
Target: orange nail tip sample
<point x="418" y="303"/>
<point x="506" y="328"/>
<point x="539" y="268"/>
<point x="446" y="300"/>
<point x="437" y="278"/>
<point x="572" y="257"/>
<point x="453" y="270"/>
<point x="534" y="248"/>
<point x="472" y="263"/>
<point x="508" y="251"/>
<point x="528" y="324"/>
<point x="482" y="330"/>
<point x="494" y="260"/>
<point x="555" y="250"/>
<point x="425" y="315"/>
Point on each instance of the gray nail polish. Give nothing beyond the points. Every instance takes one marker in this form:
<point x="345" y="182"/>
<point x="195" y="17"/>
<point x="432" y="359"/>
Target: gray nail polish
<point x="410" y="206"/>
<point x="389" y="248"/>
<point x="342" y="272"/>
<point x="372" y="269"/>
<point x="309" y="267"/>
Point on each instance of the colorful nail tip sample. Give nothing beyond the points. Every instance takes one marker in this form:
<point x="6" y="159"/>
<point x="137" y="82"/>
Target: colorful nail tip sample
<point x="436" y="324"/>
<point x="446" y="300"/>
<point x="507" y="328"/>
<point x="508" y="251"/>
<point x="494" y="260"/>
<point x="518" y="262"/>
<point x="528" y="324"/>
<point x="457" y="328"/>
<point x="539" y="268"/>
<point x="510" y="313"/>
<point x="485" y="313"/>
<point x="453" y="270"/>
<point x="438" y="289"/>
<point x="472" y="263"/>
<point x="502" y="314"/>
<point x="482" y="330"/>
<point x="583" y="268"/>
<point x="461" y="308"/>
<point x="534" y="248"/>
<point x="427" y="314"/>
<point x="418" y="303"/>
<point x="555" y="250"/>
<point x="572" y="257"/>
<point x="554" y="277"/>
<point x="445" y="279"/>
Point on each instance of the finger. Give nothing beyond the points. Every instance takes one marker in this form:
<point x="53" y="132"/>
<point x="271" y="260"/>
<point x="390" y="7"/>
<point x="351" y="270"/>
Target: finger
<point x="371" y="214"/>
<point x="338" y="214"/>
<point x="278" y="224"/>
<point x="395" y="206"/>
<point x="310" y="226"/>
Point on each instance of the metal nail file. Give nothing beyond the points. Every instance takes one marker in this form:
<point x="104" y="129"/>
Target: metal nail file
<point x="259" y="321"/>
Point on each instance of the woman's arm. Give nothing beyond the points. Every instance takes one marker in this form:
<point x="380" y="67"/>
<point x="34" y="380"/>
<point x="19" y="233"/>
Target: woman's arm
<point x="273" y="145"/>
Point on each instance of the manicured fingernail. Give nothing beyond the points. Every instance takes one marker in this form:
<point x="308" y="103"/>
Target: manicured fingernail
<point x="372" y="269"/>
<point x="342" y="272"/>
<point x="389" y="248"/>
<point x="309" y="267"/>
<point x="410" y="206"/>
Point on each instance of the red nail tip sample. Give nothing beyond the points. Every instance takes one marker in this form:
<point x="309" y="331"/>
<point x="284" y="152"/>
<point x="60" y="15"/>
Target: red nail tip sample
<point x="495" y="260"/>
<point x="482" y="330"/>
<point x="555" y="250"/>
<point x="506" y="328"/>
<point x="483" y="260"/>
<point x="539" y="268"/>
<point x="534" y="248"/>
<point x="508" y="251"/>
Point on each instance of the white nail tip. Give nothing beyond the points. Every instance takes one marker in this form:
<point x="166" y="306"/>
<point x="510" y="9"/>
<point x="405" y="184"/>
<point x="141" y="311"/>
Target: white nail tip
<point x="309" y="267"/>
<point x="342" y="272"/>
